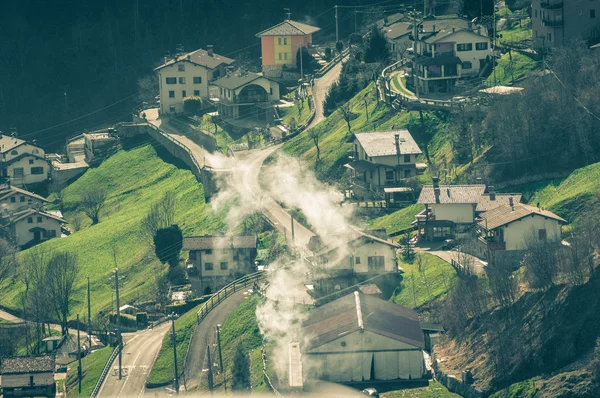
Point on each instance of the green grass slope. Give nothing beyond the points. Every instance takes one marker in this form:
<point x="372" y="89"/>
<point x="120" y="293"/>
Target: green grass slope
<point x="91" y="368"/>
<point x="398" y="220"/>
<point x="571" y="197"/>
<point x="333" y="133"/>
<point x="434" y="389"/>
<point x="135" y="179"/>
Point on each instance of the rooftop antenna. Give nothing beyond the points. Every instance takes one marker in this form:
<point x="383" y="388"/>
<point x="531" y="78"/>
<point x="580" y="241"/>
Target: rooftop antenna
<point x="287" y="13"/>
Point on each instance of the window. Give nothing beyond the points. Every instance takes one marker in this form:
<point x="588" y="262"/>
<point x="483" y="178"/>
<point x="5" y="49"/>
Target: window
<point x="270" y="90"/>
<point x="208" y="251"/>
<point x="31" y="381"/>
<point x="592" y="13"/>
<point x="13" y="199"/>
<point x="39" y="219"/>
<point x="550" y="37"/>
<point x="18" y="172"/>
<point x="535" y="13"/>
<point x="208" y="266"/>
<point x="406" y="173"/>
<point x="171" y="94"/>
<point x="35" y="151"/>
<point x="356" y="260"/>
<point x="29" y="220"/>
<point x="30" y="161"/>
<point x="464" y="47"/>
<point x="183" y="93"/>
<point x="193" y="255"/>
<point x="279" y="40"/>
<point x="171" y="80"/>
<point x="181" y="67"/>
<point x="467" y="65"/>
<point x="376" y="263"/>
<point x="182" y="80"/>
<point x="22" y="199"/>
<point x="14" y="152"/>
<point x="50" y="233"/>
<point x="285" y="41"/>
<point x="197" y="93"/>
<point x="224" y="265"/>
<point x="371" y="175"/>
<point x="389" y="175"/>
<point x="279" y="56"/>
<point x="542" y="234"/>
<point x="172" y="108"/>
<point x="481" y="46"/>
<point x="406" y="158"/>
<point x="37" y="170"/>
<point x="285" y="56"/>
<point x="197" y="80"/>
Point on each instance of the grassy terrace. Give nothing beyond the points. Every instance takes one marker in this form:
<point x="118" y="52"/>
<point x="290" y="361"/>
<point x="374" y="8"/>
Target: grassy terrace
<point x="291" y="112"/>
<point x="520" y="66"/>
<point x="91" y="368"/>
<point x="398" y="220"/>
<point x="418" y="288"/>
<point x="135" y="179"/>
<point x="433" y="390"/>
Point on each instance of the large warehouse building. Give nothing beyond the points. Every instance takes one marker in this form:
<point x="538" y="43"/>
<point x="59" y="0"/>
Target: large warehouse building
<point x="358" y="338"/>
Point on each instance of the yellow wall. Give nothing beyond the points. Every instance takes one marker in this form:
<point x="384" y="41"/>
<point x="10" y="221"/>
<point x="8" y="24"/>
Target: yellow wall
<point x="285" y="49"/>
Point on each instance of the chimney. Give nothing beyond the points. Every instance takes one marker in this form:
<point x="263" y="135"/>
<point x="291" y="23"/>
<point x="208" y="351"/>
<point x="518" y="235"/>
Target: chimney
<point x="492" y="192"/>
<point x="436" y="182"/>
<point x="209" y="50"/>
<point x="436" y="189"/>
<point x="511" y="202"/>
<point x="453" y="30"/>
<point x="433" y="28"/>
<point x="478" y="180"/>
<point x="397" y="140"/>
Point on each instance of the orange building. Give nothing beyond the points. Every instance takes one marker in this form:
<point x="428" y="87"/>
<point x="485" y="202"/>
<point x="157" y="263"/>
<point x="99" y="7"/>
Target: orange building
<point x="280" y="45"/>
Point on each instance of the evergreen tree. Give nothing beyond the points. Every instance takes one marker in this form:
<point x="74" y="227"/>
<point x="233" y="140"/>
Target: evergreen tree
<point x="168" y="243"/>
<point x="240" y="371"/>
<point x="378" y="48"/>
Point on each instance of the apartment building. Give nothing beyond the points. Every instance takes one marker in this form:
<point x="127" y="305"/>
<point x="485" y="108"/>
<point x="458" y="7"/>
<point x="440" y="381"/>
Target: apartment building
<point x="557" y="22"/>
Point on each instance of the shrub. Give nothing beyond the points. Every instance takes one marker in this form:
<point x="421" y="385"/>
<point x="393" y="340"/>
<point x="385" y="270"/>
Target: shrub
<point x="192" y="105"/>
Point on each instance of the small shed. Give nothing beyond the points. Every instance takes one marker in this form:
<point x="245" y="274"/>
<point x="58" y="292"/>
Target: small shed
<point x="53" y="342"/>
<point x="128" y="309"/>
<point x="28" y="377"/>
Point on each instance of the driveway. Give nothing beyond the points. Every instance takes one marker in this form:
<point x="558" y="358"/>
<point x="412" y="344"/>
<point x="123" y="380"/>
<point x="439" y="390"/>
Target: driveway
<point x="477" y="265"/>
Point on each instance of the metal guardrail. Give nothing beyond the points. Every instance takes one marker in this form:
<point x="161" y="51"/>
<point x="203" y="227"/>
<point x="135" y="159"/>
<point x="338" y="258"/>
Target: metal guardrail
<point x="104" y="373"/>
<point x="263" y="356"/>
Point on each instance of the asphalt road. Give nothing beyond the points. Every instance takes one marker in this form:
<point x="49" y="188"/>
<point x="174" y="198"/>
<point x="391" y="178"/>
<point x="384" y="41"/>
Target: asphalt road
<point x="320" y="89"/>
<point x="205" y="335"/>
<point x="139" y="353"/>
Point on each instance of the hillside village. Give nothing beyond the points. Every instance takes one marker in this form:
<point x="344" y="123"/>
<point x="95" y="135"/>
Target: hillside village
<point x="409" y="209"/>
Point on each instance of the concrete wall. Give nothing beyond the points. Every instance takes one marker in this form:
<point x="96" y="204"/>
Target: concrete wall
<point x="39" y="379"/>
<point x="349" y="358"/>
<point x="455" y="212"/>
<point x="517" y="234"/>
<point x="61" y="176"/>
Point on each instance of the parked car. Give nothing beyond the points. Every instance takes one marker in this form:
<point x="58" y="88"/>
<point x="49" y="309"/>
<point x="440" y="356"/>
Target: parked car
<point x="448" y="244"/>
<point x="371" y="392"/>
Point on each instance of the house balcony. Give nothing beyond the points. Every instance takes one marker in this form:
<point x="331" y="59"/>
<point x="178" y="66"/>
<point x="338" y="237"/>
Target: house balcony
<point x="555" y="23"/>
<point x="551" y="5"/>
<point x="424" y="216"/>
<point x="491" y="244"/>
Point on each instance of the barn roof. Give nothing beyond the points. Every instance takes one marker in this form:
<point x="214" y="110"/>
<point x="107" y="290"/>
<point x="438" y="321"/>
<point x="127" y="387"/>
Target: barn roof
<point x="21" y="365"/>
<point x="219" y="242"/>
<point x="356" y="312"/>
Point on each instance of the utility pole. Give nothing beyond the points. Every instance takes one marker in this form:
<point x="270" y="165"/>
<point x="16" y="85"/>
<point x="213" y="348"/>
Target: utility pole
<point x="78" y="356"/>
<point x="66" y="103"/>
<point x="494" y="43"/>
<point x="416" y="23"/>
<point x="120" y="345"/>
<point x="337" y="36"/>
<point x="89" y="310"/>
<point x="210" y="373"/>
<point x="301" y="67"/>
<point x="355" y="13"/>
<point x="218" y="327"/>
<point x="293" y="235"/>
<point x="174" y="353"/>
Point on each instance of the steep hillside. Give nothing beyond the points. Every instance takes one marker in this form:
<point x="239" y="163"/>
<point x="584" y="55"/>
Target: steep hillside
<point x="135" y="178"/>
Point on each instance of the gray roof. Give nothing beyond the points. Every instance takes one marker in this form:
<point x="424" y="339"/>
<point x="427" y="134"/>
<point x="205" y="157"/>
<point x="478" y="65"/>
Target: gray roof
<point x="383" y="143"/>
<point x="8" y="143"/>
<point x="219" y="242"/>
<point x="8" y="191"/>
<point x="485" y="202"/>
<point x="237" y="79"/>
<point x="22" y="214"/>
<point x="397" y="30"/>
<point x="452" y="194"/>
<point x="20" y="365"/>
<point x="289" y="28"/>
<point x="354" y="237"/>
<point x="506" y="214"/>
<point x="200" y="57"/>
<point x="447" y="59"/>
<point x="356" y="312"/>
<point x="445" y="33"/>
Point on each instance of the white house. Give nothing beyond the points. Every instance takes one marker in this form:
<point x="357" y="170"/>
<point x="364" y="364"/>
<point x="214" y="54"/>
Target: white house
<point x="28" y="377"/>
<point x="451" y="210"/>
<point x="384" y="158"/>
<point x="361" y="338"/>
<point x="30" y="226"/>
<point x="188" y="75"/>
<point x="246" y="95"/>
<point x="219" y="260"/>
<point x="13" y="199"/>
<point x="513" y="226"/>
<point x="22" y="162"/>
<point x="444" y="56"/>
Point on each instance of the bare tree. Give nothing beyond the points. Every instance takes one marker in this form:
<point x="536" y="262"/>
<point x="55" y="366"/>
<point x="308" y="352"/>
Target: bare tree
<point x="540" y="262"/>
<point x="161" y="214"/>
<point x="61" y="275"/>
<point x="503" y="284"/>
<point x="76" y="221"/>
<point x="33" y="272"/>
<point x="57" y="189"/>
<point x="162" y="290"/>
<point x="347" y="115"/>
<point x="93" y="200"/>
<point x="315" y="135"/>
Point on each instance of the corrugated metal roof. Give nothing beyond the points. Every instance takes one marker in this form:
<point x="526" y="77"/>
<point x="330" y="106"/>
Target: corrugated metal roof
<point x="383" y="143"/>
<point x="289" y="28"/>
<point x="485" y="202"/>
<point x="200" y="57"/>
<point x="452" y="194"/>
<point x="219" y="242"/>
<point x="22" y="365"/>
<point x="345" y="315"/>
<point x="506" y="214"/>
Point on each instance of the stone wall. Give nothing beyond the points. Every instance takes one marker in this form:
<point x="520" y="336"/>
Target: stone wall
<point x="454" y="383"/>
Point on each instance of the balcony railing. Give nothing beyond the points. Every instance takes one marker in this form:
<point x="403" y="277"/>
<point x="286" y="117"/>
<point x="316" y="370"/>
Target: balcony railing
<point x="551" y="5"/>
<point x="552" y="23"/>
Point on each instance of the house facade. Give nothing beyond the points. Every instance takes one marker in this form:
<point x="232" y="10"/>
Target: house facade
<point x="246" y="95"/>
<point x="557" y="22"/>
<point x="512" y="227"/>
<point x="188" y="75"/>
<point x="13" y="199"/>
<point x="29" y="226"/>
<point x="361" y="338"/>
<point x="383" y="158"/>
<point x="280" y="44"/>
<point x="22" y="163"/>
<point x="28" y="377"/>
<point x="219" y="260"/>
<point x="442" y="57"/>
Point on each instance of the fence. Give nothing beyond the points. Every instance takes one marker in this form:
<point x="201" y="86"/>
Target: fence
<point x="104" y="373"/>
<point x="263" y="356"/>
